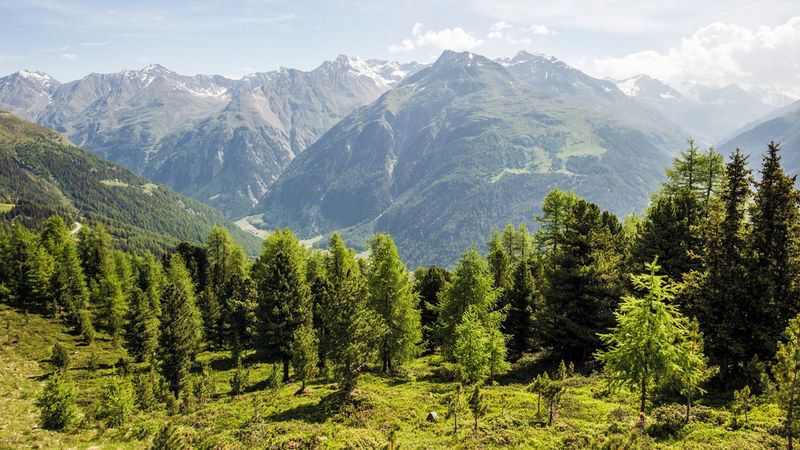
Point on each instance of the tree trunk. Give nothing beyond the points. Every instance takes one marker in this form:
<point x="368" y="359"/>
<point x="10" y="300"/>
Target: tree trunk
<point x="550" y="416"/>
<point x="455" y="423"/>
<point x="285" y="369"/>
<point x="644" y="395"/>
<point x="688" y="407"/>
<point x="476" y="424"/>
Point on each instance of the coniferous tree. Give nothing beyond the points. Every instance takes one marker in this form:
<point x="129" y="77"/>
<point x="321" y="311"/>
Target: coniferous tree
<point x="392" y="296"/>
<point x="304" y="354"/>
<point x="141" y="328"/>
<point x="181" y="326"/>
<point x="351" y="329"/>
<point x="69" y="283"/>
<point x="57" y="404"/>
<point x="500" y="263"/>
<point x="284" y="297"/>
<point x="224" y="262"/>
<point x="647" y="346"/>
<point x="116" y="403"/>
<point x="472" y="286"/>
<point x="428" y="283"/>
<point x="109" y="301"/>
<point x="774" y="215"/>
<point x="94" y="247"/>
<point x="786" y="372"/>
<point x="725" y="295"/>
<point x="149" y="277"/>
<point x="582" y="279"/>
<point x="521" y="300"/>
<point x="471" y="348"/>
<point x="477" y="404"/>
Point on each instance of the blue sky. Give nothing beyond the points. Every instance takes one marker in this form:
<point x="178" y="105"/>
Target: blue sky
<point x="680" y="41"/>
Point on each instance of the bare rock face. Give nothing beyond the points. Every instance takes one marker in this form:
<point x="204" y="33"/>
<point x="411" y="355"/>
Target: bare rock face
<point x="432" y="417"/>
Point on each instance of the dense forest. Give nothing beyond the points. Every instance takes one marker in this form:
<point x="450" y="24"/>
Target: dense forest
<point x="676" y="328"/>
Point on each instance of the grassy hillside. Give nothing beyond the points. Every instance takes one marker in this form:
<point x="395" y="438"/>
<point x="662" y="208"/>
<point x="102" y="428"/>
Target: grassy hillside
<point x="42" y="174"/>
<point x="589" y="416"/>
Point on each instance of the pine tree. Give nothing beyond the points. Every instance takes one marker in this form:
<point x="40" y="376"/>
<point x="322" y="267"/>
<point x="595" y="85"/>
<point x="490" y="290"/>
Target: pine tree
<point x="224" y="262"/>
<point x="454" y="407"/>
<point x="646" y="347"/>
<point x="786" y="372"/>
<point x="521" y="300"/>
<point x="304" y="354"/>
<point x="284" y="297"/>
<point x="695" y="369"/>
<point x="141" y="328"/>
<point x="59" y="357"/>
<point x="391" y="295"/>
<point x="350" y="329"/>
<point x="725" y="294"/>
<point x="181" y="326"/>
<point x="582" y="279"/>
<point x="556" y="206"/>
<point x="428" y="283"/>
<point x="57" y="404"/>
<point x="774" y="215"/>
<point x="149" y="277"/>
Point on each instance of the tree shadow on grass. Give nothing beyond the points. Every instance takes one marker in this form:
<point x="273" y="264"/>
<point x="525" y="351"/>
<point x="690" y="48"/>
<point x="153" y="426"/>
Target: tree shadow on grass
<point x="331" y="405"/>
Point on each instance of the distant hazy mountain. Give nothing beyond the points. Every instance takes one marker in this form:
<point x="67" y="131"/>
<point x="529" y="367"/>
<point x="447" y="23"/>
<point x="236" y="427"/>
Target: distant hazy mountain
<point x="218" y="140"/>
<point x="469" y="144"/>
<point x="782" y="127"/>
<point x="708" y="114"/>
<point x="41" y="174"/>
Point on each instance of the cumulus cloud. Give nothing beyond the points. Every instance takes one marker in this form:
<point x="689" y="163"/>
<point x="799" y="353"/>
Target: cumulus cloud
<point x="68" y="56"/>
<point x="446" y="39"/>
<point x="503" y="29"/>
<point x="719" y="54"/>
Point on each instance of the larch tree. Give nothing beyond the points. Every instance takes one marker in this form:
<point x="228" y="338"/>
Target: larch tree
<point x="141" y="327"/>
<point x="428" y="282"/>
<point x="391" y="294"/>
<point x="647" y="346"/>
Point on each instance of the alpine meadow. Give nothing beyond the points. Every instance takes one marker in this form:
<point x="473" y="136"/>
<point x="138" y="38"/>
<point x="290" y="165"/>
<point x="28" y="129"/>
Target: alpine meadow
<point x="458" y="242"/>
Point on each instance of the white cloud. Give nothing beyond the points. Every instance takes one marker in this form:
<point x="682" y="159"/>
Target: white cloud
<point x="540" y="30"/>
<point x="495" y="35"/>
<point x="719" y="54"/>
<point x="635" y="17"/>
<point x="95" y="44"/>
<point x="500" y="26"/>
<point x="68" y="56"/>
<point x="405" y="46"/>
<point x="456" y="39"/>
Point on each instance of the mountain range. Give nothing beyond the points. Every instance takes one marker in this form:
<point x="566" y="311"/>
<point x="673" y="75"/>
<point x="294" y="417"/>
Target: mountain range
<point x="708" y="114"/>
<point x="218" y="140"/>
<point x="469" y="144"/>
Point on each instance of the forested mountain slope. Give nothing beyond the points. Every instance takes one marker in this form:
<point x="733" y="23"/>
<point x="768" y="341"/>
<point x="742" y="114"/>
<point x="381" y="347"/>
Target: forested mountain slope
<point x="42" y="174"/>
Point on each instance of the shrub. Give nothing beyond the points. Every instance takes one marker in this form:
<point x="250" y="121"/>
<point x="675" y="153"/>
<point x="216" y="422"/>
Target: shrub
<point x="59" y="357"/>
<point x="116" y="402"/>
<point x="172" y="438"/>
<point x="240" y="379"/>
<point x="57" y="404"/>
<point x="203" y="385"/>
<point x="668" y="421"/>
<point x="147" y="390"/>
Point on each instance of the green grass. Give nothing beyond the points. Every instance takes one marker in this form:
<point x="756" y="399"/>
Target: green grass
<point x="6" y="207"/>
<point x="114" y="183"/>
<point x="589" y="415"/>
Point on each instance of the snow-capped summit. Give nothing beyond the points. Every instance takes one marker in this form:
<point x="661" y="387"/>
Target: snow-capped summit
<point x="644" y="86"/>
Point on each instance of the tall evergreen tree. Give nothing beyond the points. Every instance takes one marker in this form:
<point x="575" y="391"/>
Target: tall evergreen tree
<point x="350" y="328"/>
<point x="775" y="219"/>
<point x="224" y="262"/>
<point x="94" y="247"/>
<point x="521" y="300"/>
<point x="725" y="293"/>
<point x="141" y="328"/>
<point x="68" y="284"/>
<point x="109" y="300"/>
<point x="500" y="263"/>
<point x="428" y="283"/>
<point x="391" y="295"/>
<point x="582" y="280"/>
<point x="181" y="326"/>
<point x="284" y="297"/>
